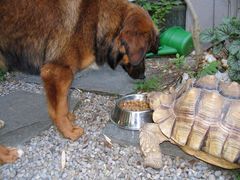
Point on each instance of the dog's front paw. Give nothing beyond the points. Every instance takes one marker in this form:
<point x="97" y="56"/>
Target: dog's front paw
<point x="74" y="134"/>
<point x="9" y="155"/>
<point x="68" y="130"/>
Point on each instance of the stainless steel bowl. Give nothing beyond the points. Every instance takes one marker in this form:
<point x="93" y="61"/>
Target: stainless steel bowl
<point x="132" y="120"/>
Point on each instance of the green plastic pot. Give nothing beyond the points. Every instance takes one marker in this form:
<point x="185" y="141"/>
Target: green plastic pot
<point x="179" y="39"/>
<point x="175" y="40"/>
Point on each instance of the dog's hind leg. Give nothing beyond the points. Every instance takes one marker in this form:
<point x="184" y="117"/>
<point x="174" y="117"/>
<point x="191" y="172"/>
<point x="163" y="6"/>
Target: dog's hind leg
<point x="57" y="79"/>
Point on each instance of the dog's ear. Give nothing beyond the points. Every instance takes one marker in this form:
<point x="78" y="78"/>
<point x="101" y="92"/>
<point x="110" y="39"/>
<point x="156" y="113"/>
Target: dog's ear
<point x="136" y="45"/>
<point x="127" y="47"/>
<point x="155" y="40"/>
<point x="138" y="34"/>
<point x="116" y="53"/>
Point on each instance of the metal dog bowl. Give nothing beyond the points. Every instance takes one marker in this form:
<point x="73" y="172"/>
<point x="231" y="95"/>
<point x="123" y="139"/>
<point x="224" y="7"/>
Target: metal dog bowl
<point x="131" y="120"/>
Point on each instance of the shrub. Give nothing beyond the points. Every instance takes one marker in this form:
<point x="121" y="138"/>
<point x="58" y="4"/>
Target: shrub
<point x="208" y="69"/>
<point x="226" y="36"/>
<point x="158" y="9"/>
<point x="2" y="75"/>
<point x="179" y="61"/>
<point x="151" y="84"/>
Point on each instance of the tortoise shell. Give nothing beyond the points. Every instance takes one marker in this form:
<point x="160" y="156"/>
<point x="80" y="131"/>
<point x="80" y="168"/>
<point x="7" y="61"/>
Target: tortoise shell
<point x="203" y="117"/>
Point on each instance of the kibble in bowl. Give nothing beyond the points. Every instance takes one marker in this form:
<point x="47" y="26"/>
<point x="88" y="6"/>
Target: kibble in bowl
<point x="131" y="112"/>
<point x="134" y="105"/>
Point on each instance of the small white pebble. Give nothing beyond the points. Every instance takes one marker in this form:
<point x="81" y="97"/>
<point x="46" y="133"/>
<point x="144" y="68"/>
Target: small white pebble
<point x="1" y="123"/>
<point x="20" y="152"/>
<point x="185" y="77"/>
<point x="211" y="177"/>
<point x="209" y="58"/>
<point x="224" y="62"/>
<point x="218" y="173"/>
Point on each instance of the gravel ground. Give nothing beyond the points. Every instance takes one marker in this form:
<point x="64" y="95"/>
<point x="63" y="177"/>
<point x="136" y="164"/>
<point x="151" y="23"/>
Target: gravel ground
<point x="92" y="157"/>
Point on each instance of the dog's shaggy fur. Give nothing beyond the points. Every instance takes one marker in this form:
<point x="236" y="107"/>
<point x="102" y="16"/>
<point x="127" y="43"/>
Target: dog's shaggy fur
<point x="60" y="37"/>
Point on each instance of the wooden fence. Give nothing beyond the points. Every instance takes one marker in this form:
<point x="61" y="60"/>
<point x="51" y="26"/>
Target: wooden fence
<point x="212" y="12"/>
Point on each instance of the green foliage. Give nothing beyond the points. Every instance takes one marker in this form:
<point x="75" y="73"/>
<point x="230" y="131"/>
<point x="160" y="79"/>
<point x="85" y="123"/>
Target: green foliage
<point x="154" y="83"/>
<point x="151" y="84"/>
<point x="237" y="174"/>
<point x="158" y="9"/>
<point x="228" y="31"/>
<point x="208" y="36"/>
<point x="234" y="47"/>
<point x="226" y="35"/>
<point x="179" y="61"/>
<point x="234" y="67"/>
<point x="208" y="69"/>
<point x="2" y="75"/>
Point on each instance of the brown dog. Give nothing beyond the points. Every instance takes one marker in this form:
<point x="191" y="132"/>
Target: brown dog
<point x="60" y="37"/>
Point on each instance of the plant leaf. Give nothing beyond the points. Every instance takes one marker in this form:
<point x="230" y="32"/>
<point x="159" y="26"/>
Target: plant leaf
<point x="207" y="36"/>
<point x="147" y="6"/>
<point x="209" y="69"/>
<point x="235" y="23"/>
<point x="151" y="84"/>
<point x="234" y="75"/>
<point x="217" y="48"/>
<point x="223" y="32"/>
<point x="234" y="47"/>
<point x="2" y="75"/>
<point x="238" y="55"/>
<point x="226" y="20"/>
<point x="233" y="62"/>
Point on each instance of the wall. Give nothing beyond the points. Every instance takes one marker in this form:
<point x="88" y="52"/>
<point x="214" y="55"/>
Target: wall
<point x="211" y="12"/>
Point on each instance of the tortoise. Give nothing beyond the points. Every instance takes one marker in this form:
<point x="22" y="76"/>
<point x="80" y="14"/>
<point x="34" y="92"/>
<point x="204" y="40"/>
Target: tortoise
<point x="202" y="117"/>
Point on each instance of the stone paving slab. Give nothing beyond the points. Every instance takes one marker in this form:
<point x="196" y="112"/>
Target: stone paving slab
<point x="25" y="116"/>
<point x="126" y="137"/>
<point x="104" y="80"/>
<point x="28" y="78"/>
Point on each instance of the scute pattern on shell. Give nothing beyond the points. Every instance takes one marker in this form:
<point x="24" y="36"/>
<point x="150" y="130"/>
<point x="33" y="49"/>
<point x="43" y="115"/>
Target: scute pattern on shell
<point x="205" y="117"/>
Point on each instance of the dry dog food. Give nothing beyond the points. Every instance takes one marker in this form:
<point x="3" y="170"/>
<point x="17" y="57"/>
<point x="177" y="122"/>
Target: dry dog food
<point x="134" y="105"/>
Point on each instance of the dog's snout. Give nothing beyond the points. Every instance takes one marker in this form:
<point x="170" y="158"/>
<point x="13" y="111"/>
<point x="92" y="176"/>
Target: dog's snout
<point x="135" y="72"/>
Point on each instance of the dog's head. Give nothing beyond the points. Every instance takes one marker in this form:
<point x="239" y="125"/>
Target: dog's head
<point x="137" y="36"/>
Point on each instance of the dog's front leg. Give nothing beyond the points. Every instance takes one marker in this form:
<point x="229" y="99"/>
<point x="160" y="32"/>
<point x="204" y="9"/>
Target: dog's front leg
<point x="57" y="79"/>
<point x="8" y="155"/>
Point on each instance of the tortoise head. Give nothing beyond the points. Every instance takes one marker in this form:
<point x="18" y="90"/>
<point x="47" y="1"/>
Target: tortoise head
<point x="157" y="99"/>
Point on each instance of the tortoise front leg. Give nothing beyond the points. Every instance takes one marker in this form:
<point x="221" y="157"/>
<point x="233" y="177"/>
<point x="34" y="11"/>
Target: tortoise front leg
<point x="150" y="139"/>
